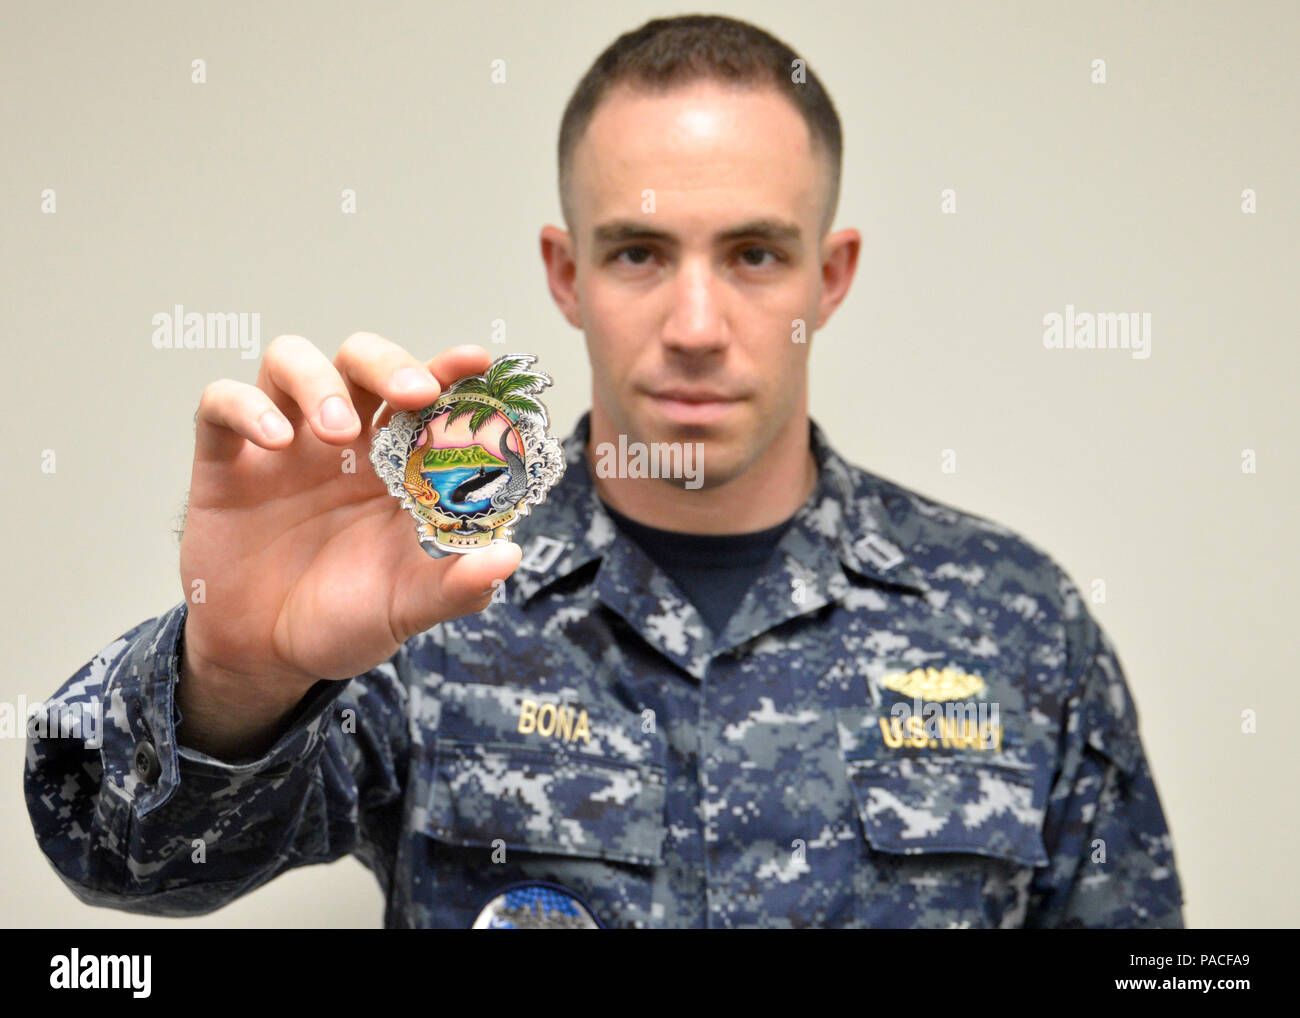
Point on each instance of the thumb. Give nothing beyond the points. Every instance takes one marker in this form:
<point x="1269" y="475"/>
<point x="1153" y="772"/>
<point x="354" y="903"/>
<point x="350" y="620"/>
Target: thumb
<point x="449" y="590"/>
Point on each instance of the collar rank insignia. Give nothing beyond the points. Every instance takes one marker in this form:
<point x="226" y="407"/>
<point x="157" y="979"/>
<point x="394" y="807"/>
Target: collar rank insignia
<point x="536" y="905"/>
<point x="471" y="464"/>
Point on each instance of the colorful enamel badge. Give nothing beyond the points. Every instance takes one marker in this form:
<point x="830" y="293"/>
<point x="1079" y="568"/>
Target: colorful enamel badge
<point x="471" y="464"/>
<point x="536" y="905"/>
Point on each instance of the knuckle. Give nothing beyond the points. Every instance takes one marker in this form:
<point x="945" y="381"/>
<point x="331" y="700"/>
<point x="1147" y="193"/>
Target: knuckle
<point x="213" y="392"/>
<point x="362" y="337"/>
<point x="470" y="350"/>
<point x="357" y="345"/>
<point x="280" y="347"/>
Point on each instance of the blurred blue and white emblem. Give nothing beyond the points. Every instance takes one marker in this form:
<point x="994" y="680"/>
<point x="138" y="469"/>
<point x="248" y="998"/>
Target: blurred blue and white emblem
<point x="536" y="906"/>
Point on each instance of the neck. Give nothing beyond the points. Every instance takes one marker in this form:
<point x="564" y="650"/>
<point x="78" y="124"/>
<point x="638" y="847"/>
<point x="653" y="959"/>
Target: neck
<point x="766" y="493"/>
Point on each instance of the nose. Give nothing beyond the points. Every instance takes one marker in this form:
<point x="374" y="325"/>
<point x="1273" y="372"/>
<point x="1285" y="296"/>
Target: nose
<point x="696" y="324"/>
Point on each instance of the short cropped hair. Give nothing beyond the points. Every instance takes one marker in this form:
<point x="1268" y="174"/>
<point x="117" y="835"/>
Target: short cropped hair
<point x="667" y="53"/>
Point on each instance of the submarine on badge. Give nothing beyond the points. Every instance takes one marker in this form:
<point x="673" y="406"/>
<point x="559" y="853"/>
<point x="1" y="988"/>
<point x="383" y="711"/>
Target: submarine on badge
<point x="471" y="464"/>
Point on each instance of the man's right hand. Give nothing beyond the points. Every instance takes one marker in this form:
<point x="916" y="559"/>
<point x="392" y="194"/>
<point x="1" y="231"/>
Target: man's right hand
<point x="310" y="570"/>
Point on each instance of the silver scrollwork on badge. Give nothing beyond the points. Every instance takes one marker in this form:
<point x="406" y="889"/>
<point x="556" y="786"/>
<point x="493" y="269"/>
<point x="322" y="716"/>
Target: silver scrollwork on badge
<point x="471" y="464"/>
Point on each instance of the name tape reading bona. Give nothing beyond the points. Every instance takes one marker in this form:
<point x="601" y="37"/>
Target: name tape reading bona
<point x="553" y="721"/>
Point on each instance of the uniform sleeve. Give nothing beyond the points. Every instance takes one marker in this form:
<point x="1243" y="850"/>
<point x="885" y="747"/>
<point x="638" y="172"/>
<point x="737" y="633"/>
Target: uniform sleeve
<point x="1111" y="861"/>
<point x="131" y="819"/>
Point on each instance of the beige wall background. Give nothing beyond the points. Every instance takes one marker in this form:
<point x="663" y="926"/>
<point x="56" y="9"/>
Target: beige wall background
<point x="1116" y="197"/>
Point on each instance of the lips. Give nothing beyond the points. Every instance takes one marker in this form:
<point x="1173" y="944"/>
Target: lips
<point x="693" y="396"/>
<point x="693" y="406"/>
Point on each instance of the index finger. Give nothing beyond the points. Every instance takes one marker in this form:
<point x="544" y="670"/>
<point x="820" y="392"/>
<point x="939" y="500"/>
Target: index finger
<point x="459" y="362"/>
<point x="447" y="367"/>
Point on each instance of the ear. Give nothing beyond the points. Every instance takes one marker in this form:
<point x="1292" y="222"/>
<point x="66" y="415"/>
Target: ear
<point x="559" y="254"/>
<point x="839" y="264"/>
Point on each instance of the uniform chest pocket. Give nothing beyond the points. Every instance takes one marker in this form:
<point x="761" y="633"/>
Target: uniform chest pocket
<point x="952" y="828"/>
<point x="531" y="785"/>
<point x="912" y="806"/>
<point x="548" y="801"/>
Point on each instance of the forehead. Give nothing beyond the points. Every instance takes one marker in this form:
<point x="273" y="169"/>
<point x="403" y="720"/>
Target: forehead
<point x="703" y="144"/>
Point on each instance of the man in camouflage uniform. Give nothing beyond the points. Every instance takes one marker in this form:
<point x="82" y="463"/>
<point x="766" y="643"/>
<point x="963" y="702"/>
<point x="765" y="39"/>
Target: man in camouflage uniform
<point x="907" y="719"/>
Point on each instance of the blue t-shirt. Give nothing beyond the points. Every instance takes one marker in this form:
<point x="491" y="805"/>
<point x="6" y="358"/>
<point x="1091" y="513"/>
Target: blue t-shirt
<point x="712" y="570"/>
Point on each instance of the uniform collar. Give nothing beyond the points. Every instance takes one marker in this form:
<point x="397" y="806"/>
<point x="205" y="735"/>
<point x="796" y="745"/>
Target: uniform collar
<point x="845" y="525"/>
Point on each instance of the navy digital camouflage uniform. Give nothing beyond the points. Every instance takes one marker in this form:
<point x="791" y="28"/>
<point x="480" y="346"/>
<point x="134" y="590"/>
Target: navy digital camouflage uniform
<point x="587" y="731"/>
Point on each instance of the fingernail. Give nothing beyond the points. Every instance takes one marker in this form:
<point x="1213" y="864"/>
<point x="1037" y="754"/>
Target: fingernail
<point x="335" y="414"/>
<point x="412" y="380"/>
<point x="273" y="425"/>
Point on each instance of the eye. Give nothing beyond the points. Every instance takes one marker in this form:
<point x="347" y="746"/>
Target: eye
<point x="760" y="251"/>
<point x="636" y="261"/>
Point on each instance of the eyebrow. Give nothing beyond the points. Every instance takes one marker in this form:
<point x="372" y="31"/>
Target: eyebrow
<point x="774" y="230"/>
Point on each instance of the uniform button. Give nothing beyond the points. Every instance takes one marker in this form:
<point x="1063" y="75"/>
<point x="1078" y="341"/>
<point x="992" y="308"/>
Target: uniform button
<point x="146" y="764"/>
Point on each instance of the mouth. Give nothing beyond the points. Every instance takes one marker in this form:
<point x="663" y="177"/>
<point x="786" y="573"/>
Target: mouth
<point x="687" y="406"/>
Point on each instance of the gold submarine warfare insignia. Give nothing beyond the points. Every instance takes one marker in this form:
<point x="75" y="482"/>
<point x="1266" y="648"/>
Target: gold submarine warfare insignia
<point x="473" y="463"/>
<point x="934" y="683"/>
